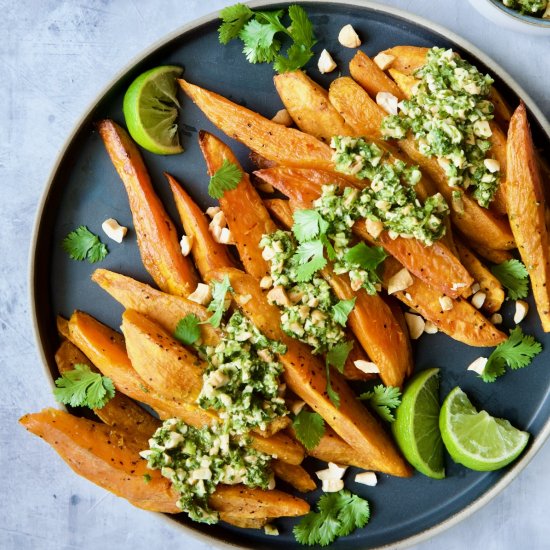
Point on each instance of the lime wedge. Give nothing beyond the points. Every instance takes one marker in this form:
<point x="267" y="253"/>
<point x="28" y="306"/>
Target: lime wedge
<point x="476" y="439"/>
<point x="151" y="109"/>
<point x="416" y="426"/>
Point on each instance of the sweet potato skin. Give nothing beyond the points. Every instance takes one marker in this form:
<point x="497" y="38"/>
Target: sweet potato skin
<point x="271" y="140"/>
<point x="246" y="215"/>
<point x="305" y="376"/>
<point x="207" y="253"/>
<point x="526" y="209"/>
<point x="157" y="237"/>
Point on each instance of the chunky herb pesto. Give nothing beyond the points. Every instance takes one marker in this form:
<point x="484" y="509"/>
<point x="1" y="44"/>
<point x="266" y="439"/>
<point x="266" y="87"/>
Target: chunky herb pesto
<point x="390" y="199"/>
<point x="527" y="7"/>
<point x="196" y="460"/>
<point x="242" y="378"/>
<point x="449" y="116"/>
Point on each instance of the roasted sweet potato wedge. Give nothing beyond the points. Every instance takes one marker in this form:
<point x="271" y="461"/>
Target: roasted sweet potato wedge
<point x="207" y="253"/>
<point x="157" y="237"/>
<point x="305" y="376"/>
<point x="243" y="523"/>
<point x="294" y="475"/>
<point x="62" y="326"/>
<point x="487" y="281"/>
<point x="463" y="322"/>
<point x="491" y="254"/>
<point x="436" y="264"/>
<point x="99" y="453"/>
<point x="165" y="309"/>
<point x="309" y="107"/>
<point x="165" y="364"/>
<point x="246" y="216"/>
<point x="526" y="209"/>
<point x="271" y="140"/>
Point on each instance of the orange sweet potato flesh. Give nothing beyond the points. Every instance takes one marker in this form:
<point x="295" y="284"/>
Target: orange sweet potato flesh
<point x="293" y="475"/>
<point x="371" y="320"/>
<point x="165" y="364"/>
<point x="165" y="309"/>
<point x="271" y="140"/>
<point x="207" y="253"/>
<point x="491" y="254"/>
<point x="463" y="322"/>
<point x="99" y="453"/>
<point x="487" y="281"/>
<point x="526" y="208"/>
<point x="436" y="264"/>
<point x="477" y="223"/>
<point x="242" y="502"/>
<point x="156" y="235"/>
<point x="107" y="351"/>
<point x="246" y="216"/>
<point x="309" y="107"/>
<point x="120" y="412"/>
<point x="305" y="375"/>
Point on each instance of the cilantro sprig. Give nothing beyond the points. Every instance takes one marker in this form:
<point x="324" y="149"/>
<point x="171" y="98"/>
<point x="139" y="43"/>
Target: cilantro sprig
<point x="188" y="330"/>
<point x="338" y="516"/>
<point x="341" y="310"/>
<point x="383" y="399"/>
<point x="261" y="33"/>
<point x="82" y="244"/>
<point x="514" y="276"/>
<point x="517" y="352"/>
<point x="337" y="357"/>
<point x="81" y="387"/>
<point x="226" y="178"/>
<point x="309" y="428"/>
<point x="217" y="305"/>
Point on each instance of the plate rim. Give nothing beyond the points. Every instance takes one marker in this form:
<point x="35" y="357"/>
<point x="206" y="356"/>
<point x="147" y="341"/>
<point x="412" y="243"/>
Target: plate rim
<point x="418" y="20"/>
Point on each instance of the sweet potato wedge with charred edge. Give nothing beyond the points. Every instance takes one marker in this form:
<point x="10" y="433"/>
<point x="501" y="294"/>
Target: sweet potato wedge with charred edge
<point x="165" y="309"/>
<point x="475" y="222"/>
<point x="156" y="235"/>
<point x="269" y="139"/>
<point x="106" y="350"/>
<point x="436" y="265"/>
<point x="309" y="107"/>
<point x="305" y="376"/>
<point x="207" y="253"/>
<point x="293" y="475"/>
<point x="120" y="412"/>
<point x="98" y="453"/>
<point x="244" y="211"/>
<point x="526" y="208"/>
<point x="371" y="319"/>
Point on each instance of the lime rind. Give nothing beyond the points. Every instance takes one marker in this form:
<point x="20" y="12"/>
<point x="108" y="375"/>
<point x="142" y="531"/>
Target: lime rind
<point x="151" y="109"/>
<point x="416" y="427"/>
<point x="474" y="438"/>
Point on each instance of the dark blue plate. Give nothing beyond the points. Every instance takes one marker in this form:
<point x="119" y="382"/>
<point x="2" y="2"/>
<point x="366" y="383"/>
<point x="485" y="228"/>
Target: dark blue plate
<point x="85" y="189"/>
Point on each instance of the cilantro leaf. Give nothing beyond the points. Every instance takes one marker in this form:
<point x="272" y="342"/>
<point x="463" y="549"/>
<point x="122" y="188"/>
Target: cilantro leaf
<point x="260" y="45"/>
<point x="217" y="305"/>
<point x="274" y="19"/>
<point x="333" y="395"/>
<point x="297" y="56"/>
<point x="341" y="311"/>
<point x="306" y="271"/>
<point x="309" y="256"/>
<point x="309" y="427"/>
<point x="188" y="330"/>
<point x="234" y="19"/>
<point x="301" y="28"/>
<point x="514" y="276"/>
<point x="338" y="516"/>
<point x="308" y="224"/>
<point x="338" y="355"/>
<point x="516" y="352"/>
<point x="383" y="399"/>
<point x="226" y="178"/>
<point x="82" y="244"/>
<point x="366" y="257"/>
<point x="81" y="387"/>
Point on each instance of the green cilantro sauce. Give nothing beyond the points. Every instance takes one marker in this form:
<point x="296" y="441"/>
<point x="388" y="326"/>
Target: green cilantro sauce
<point x="449" y="116"/>
<point x="390" y="199"/>
<point x="527" y="7"/>
<point x="196" y="460"/>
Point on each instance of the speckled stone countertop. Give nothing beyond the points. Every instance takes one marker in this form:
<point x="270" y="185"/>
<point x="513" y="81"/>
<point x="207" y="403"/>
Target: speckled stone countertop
<point x="55" y="57"/>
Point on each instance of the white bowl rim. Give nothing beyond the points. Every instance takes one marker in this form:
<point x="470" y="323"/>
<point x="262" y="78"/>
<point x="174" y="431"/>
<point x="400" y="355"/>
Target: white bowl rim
<point x="537" y="22"/>
<point x="188" y="27"/>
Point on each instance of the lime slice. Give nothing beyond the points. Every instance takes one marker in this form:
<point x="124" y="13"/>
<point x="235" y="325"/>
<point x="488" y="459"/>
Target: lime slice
<point x="476" y="439"/>
<point x="151" y="109"/>
<point x="416" y="426"/>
